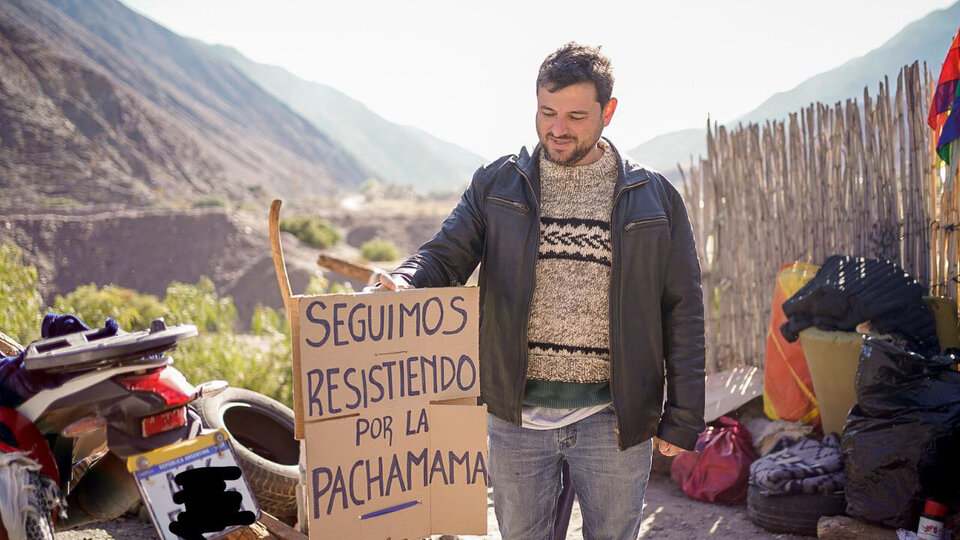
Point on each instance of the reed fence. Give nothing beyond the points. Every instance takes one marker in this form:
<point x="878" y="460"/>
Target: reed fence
<point x="858" y="178"/>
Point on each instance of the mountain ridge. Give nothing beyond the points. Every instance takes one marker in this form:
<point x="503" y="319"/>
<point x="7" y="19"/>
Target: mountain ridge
<point x="926" y="39"/>
<point x="91" y="114"/>
<point x="396" y="153"/>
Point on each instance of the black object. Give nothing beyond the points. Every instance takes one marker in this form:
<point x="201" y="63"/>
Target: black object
<point x="793" y="514"/>
<point x="901" y="439"/>
<point x="847" y="291"/>
<point x="209" y="507"/>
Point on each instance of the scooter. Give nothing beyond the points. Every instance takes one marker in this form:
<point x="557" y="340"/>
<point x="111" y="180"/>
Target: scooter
<point x="116" y="395"/>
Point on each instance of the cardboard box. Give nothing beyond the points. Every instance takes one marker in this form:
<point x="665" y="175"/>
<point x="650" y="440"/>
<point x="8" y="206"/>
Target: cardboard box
<point x="395" y="443"/>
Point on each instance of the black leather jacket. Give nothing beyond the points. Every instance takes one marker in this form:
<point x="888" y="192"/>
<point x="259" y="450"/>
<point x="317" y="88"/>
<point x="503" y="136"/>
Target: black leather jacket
<point x="656" y="306"/>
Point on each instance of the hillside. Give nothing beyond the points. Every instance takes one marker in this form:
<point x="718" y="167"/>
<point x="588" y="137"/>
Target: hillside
<point x="397" y="154"/>
<point x="99" y="104"/>
<point x="926" y="39"/>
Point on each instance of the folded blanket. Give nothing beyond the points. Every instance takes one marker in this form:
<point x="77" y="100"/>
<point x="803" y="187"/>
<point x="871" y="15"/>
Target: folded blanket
<point x="806" y="467"/>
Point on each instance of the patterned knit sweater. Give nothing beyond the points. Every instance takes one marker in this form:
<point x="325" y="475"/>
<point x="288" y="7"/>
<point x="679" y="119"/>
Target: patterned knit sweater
<point x="568" y="332"/>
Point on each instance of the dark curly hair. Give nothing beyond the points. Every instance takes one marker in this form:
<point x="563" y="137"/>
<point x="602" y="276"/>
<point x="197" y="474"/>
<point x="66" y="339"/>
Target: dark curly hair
<point x="574" y="63"/>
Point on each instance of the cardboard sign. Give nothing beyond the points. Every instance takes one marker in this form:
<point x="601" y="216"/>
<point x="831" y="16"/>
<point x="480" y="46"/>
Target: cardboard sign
<point x="391" y="450"/>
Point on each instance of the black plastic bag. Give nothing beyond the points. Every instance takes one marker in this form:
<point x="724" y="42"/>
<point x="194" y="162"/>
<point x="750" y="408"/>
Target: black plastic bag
<point x="901" y="441"/>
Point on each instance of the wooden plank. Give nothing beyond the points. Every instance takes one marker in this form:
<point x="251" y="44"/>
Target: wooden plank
<point x="729" y="390"/>
<point x="279" y="529"/>
<point x="847" y="528"/>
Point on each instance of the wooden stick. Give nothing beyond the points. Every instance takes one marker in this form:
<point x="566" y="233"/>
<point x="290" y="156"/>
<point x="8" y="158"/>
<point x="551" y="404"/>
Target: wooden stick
<point x="276" y="248"/>
<point x="361" y="272"/>
<point x="291" y="304"/>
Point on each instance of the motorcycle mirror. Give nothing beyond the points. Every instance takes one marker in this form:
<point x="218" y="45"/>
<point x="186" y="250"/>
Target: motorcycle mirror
<point x="211" y="388"/>
<point x="83" y="426"/>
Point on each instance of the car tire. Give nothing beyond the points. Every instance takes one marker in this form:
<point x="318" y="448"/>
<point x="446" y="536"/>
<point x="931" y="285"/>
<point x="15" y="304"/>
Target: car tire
<point x="791" y="513"/>
<point x="262" y="431"/>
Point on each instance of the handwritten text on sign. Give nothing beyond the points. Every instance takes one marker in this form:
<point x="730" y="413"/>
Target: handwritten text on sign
<point x="385" y="349"/>
<point x="396" y="455"/>
<point x="395" y="444"/>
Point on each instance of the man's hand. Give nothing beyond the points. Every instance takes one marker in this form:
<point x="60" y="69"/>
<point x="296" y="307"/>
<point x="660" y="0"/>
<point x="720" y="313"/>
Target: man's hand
<point x="666" y="448"/>
<point x="387" y="283"/>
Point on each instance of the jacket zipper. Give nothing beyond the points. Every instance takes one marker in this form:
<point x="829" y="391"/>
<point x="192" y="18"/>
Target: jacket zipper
<point x="615" y="321"/>
<point x="644" y="222"/>
<point x="508" y="202"/>
<point x="524" y="351"/>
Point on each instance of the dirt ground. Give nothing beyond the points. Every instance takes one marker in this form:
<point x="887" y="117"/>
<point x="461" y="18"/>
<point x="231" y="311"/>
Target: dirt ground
<point x="668" y="515"/>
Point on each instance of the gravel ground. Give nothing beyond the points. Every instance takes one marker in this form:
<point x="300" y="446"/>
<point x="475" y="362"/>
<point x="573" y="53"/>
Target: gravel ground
<point x="668" y="515"/>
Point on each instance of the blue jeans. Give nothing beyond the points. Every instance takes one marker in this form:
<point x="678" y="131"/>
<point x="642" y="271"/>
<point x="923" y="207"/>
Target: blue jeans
<point x="525" y="473"/>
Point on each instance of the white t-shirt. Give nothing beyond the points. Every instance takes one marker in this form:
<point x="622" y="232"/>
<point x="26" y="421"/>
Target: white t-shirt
<point x="545" y="418"/>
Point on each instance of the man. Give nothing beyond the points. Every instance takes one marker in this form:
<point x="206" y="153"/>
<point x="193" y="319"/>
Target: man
<point x="590" y="300"/>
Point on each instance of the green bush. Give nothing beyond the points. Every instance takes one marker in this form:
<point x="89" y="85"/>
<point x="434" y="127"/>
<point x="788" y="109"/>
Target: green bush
<point x="132" y="310"/>
<point x="267" y="321"/>
<point x="379" y="249"/>
<point x="210" y="202"/>
<point x="199" y="304"/>
<point x="322" y="285"/>
<point x="61" y="201"/>
<point x="20" y="301"/>
<point x="259" y="363"/>
<point x="311" y="230"/>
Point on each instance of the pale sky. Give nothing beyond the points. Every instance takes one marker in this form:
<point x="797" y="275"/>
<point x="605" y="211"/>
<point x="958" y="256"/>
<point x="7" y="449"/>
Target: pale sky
<point x="465" y="71"/>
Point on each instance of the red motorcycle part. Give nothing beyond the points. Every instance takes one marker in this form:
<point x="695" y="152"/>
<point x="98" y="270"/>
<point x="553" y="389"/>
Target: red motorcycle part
<point x="166" y="382"/>
<point x="165" y="421"/>
<point x="29" y="440"/>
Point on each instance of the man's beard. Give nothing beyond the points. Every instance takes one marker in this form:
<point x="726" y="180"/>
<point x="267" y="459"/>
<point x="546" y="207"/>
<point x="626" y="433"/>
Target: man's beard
<point x="579" y="152"/>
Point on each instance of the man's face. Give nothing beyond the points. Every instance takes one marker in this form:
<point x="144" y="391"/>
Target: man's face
<point x="569" y="123"/>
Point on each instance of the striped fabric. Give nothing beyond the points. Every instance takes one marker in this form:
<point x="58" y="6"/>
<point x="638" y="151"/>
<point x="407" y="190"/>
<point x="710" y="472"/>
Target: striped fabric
<point x="567" y="335"/>
<point x="944" y="116"/>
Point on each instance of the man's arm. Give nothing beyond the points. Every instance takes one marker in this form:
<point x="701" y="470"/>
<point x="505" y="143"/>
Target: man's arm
<point x="684" y="351"/>
<point x="454" y="252"/>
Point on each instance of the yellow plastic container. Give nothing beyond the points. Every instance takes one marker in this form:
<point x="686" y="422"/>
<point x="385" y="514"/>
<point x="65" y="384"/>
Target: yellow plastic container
<point x="832" y="359"/>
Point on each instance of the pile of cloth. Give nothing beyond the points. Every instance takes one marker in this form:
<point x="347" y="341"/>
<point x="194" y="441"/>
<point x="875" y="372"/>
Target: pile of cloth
<point x="847" y="291"/>
<point x="26" y="497"/>
<point x="806" y="467"/>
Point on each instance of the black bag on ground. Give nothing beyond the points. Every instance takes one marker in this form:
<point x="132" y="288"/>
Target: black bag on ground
<point x="901" y="441"/>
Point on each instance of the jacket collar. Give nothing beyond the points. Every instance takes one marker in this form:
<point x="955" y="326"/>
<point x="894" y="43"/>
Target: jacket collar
<point x="630" y="172"/>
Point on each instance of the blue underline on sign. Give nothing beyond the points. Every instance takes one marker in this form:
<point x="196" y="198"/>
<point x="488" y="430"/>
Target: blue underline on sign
<point x="390" y="510"/>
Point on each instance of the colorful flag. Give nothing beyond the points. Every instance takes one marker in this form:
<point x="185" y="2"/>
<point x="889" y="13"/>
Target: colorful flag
<point x="944" y="117"/>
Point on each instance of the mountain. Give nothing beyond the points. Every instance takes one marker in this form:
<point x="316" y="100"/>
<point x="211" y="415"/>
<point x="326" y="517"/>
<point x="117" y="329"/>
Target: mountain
<point x="926" y="39"/>
<point x="398" y="154"/>
<point x="100" y="104"/>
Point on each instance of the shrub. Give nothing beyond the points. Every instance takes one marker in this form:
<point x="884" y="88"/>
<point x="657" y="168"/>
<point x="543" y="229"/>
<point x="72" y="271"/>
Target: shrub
<point x="20" y="301"/>
<point x="258" y="363"/>
<point x="322" y="285"/>
<point x="199" y="304"/>
<point x="61" y="201"/>
<point x="379" y="249"/>
<point x="210" y="202"/>
<point x="132" y="310"/>
<point x="266" y="320"/>
<point x="311" y="230"/>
